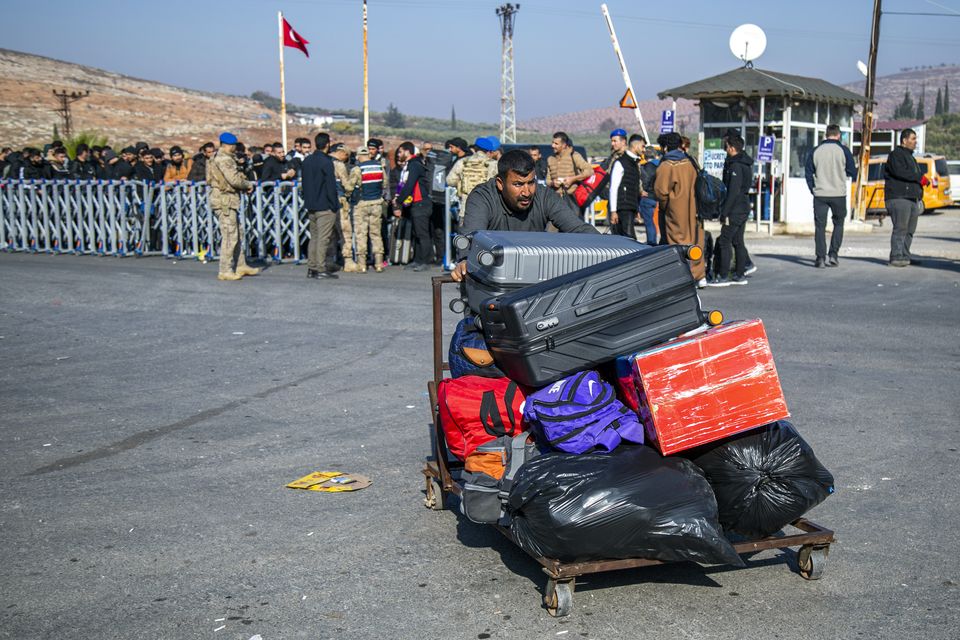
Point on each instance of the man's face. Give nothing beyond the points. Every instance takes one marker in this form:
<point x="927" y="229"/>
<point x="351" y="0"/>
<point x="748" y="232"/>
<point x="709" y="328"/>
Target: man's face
<point x="306" y="148"/>
<point x="176" y="158"/>
<point x="147" y="159"/>
<point x="637" y="147"/>
<point x="36" y="159"/>
<point x="557" y="145"/>
<point x="426" y="148"/>
<point x="535" y="154"/>
<point x="129" y="157"/>
<point x="403" y="155"/>
<point x="373" y="151"/>
<point x="268" y="150"/>
<point x="83" y="156"/>
<point x="297" y="146"/>
<point x="278" y="153"/>
<point x="60" y="157"/>
<point x="517" y="191"/>
<point x="618" y="144"/>
<point x="910" y="142"/>
<point x="209" y="151"/>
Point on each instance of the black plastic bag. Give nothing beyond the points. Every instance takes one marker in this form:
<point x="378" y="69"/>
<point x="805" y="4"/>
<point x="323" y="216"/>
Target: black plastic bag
<point x="764" y="479"/>
<point x="630" y="503"/>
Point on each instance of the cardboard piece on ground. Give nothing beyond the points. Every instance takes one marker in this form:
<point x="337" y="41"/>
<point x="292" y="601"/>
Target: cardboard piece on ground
<point x="331" y="482"/>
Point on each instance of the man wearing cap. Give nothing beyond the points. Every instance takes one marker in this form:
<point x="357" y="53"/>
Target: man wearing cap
<point x="566" y="168"/>
<point x="321" y="201"/>
<point x="179" y="166"/>
<point x="472" y="171"/>
<point x="346" y="182"/>
<point x="225" y="183"/>
<point x="512" y="202"/>
<point x="368" y="212"/>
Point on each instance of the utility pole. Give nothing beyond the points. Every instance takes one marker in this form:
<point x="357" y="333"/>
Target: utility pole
<point x="861" y="201"/>
<point x="508" y="101"/>
<point x="366" y="84"/>
<point x="66" y="99"/>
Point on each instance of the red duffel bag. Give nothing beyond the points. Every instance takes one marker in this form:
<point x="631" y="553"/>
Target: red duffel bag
<point x="475" y="410"/>
<point x="588" y="187"/>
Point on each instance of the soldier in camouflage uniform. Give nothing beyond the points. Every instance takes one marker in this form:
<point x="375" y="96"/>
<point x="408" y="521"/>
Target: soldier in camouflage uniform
<point x="473" y="170"/>
<point x="345" y="187"/>
<point x="225" y="183"/>
<point x="368" y="213"/>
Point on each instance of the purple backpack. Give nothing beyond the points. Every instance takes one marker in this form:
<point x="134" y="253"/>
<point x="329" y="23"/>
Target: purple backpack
<point x="581" y="413"/>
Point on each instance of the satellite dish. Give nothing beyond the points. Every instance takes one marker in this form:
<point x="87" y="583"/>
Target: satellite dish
<point x="862" y="67"/>
<point x="748" y="42"/>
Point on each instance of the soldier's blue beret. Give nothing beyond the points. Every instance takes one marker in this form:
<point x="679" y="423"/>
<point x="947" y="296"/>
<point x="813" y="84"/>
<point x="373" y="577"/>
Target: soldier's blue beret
<point x="228" y="138"/>
<point x="618" y="132"/>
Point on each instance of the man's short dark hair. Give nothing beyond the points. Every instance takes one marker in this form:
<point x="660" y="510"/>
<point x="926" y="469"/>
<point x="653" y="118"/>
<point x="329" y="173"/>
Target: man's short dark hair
<point x="408" y="147"/>
<point x="82" y="147"/>
<point x="906" y="133"/>
<point x="735" y="141"/>
<point x="208" y="145"/>
<point x="533" y="147"/>
<point x="516" y="160"/>
<point x="833" y="130"/>
<point x="563" y="137"/>
<point x="637" y="138"/>
<point x="321" y="140"/>
<point x="669" y="141"/>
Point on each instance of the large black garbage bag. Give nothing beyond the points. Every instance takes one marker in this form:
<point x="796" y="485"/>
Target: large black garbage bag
<point x="764" y="479"/>
<point x="630" y="503"/>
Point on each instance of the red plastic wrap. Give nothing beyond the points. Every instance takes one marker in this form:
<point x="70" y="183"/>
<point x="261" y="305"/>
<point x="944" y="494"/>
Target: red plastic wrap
<point x="701" y="388"/>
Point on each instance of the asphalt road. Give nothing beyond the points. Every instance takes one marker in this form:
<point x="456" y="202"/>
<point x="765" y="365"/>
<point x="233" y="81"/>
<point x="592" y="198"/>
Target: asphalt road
<point x="150" y="417"/>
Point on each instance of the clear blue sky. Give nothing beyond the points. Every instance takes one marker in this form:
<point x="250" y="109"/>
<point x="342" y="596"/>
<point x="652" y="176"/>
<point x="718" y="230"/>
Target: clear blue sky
<point x="427" y="55"/>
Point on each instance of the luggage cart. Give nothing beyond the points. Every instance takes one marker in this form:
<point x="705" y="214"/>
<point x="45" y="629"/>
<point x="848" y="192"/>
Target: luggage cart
<point x="440" y="472"/>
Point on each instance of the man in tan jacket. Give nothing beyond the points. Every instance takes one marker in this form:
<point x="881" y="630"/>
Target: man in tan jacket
<point x="566" y="168"/>
<point x="675" y="187"/>
<point x="226" y="182"/>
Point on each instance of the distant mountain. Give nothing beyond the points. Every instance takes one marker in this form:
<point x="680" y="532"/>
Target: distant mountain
<point x="890" y="89"/>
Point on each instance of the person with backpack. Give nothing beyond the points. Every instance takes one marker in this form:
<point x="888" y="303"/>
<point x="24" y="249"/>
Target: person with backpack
<point x="648" y="175"/>
<point x="675" y="188"/>
<point x="735" y="211"/>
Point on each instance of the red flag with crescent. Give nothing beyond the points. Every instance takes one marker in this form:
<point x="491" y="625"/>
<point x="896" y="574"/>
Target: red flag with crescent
<point x="293" y="39"/>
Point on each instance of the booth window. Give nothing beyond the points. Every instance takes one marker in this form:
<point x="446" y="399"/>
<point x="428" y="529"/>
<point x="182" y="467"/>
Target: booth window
<point x="802" y="143"/>
<point x="803" y="111"/>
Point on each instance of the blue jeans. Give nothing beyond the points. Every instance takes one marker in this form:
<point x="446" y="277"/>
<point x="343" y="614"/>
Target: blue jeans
<point x="647" y="205"/>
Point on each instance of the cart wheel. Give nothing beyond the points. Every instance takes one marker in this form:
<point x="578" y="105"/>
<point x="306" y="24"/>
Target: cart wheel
<point x="558" y="597"/>
<point x="434" y="499"/>
<point x="811" y="561"/>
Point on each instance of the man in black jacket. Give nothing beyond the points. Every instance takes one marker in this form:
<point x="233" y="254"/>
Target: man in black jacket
<point x="320" y="199"/>
<point x="737" y="178"/>
<point x="414" y="196"/>
<point x="903" y="193"/>
<point x="198" y="170"/>
<point x="83" y="167"/>
<point x="624" y="197"/>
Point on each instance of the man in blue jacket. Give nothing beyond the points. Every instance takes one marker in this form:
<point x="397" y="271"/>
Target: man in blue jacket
<point x="322" y="204"/>
<point x="827" y="170"/>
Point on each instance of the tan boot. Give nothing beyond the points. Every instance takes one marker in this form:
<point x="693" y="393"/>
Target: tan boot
<point x="378" y="263"/>
<point x="244" y="270"/>
<point x="361" y="264"/>
<point x="229" y="275"/>
<point x="349" y="266"/>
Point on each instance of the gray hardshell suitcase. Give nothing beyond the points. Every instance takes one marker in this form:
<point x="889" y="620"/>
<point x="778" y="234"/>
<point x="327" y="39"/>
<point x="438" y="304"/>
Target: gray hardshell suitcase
<point x="499" y="262"/>
<point x="577" y="321"/>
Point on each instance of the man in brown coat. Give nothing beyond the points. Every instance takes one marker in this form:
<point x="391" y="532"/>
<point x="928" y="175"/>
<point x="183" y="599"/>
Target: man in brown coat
<point x="675" y="189"/>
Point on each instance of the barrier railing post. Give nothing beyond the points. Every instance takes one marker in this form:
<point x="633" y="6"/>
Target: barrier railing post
<point x="295" y="225"/>
<point x="448" y="195"/>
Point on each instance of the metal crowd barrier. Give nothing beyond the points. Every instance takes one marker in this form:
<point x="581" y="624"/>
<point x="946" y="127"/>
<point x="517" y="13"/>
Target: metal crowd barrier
<point x="143" y="218"/>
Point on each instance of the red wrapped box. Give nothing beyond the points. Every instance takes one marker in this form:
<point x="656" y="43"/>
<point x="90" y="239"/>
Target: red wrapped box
<point x="707" y="386"/>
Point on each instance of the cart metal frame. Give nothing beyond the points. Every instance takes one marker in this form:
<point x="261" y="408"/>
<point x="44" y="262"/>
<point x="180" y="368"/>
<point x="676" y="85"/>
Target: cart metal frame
<point x="813" y="540"/>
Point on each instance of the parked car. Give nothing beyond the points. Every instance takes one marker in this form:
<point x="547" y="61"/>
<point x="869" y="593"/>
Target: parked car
<point x="953" y="167"/>
<point x="936" y="195"/>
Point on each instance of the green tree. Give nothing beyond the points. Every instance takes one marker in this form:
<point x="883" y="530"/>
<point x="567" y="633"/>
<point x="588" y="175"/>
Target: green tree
<point x="393" y="118"/>
<point x="938" y="108"/>
<point x="453" y="117"/>
<point x="85" y="137"/>
<point x="919" y="114"/>
<point x="607" y="125"/>
<point x="946" y="97"/>
<point x="905" y="110"/>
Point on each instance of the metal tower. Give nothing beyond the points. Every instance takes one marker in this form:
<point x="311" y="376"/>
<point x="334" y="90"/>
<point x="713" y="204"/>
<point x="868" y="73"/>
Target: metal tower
<point x="508" y="101"/>
<point x="65" y="100"/>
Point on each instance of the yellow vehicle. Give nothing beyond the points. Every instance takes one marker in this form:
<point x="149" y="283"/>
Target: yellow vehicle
<point x="936" y="194"/>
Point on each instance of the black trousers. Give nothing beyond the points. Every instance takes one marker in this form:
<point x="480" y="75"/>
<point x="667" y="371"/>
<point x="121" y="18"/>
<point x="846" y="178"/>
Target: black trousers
<point x="838" y="207"/>
<point x="625" y="224"/>
<point x="731" y="240"/>
<point x="420" y="214"/>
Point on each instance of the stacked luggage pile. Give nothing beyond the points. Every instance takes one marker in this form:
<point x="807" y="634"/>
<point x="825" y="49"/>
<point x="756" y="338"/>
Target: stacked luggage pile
<point x="601" y="413"/>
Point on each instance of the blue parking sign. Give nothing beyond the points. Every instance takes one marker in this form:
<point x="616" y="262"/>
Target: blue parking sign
<point x="666" y="122"/>
<point x="765" y="150"/>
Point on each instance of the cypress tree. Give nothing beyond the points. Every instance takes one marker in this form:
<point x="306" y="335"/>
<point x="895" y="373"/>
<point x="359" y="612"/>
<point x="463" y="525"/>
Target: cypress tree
<point x="946" y="97"/>
<point x="938" y="108"/>
<point x="453" y="118"/>
<point x="919" y="114"/>
<point x="905" y="110"/>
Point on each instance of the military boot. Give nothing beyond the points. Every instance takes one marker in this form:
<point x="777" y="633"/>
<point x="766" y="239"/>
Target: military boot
<point x="245" y="270"/>
<point x="349" y="266"/>
<point x="229" y="275"/>
<point x="378" y="263"/>
<point x="361" y="264"/>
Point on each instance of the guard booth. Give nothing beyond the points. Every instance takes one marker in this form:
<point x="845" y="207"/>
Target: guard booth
<point x="794" y="109"/>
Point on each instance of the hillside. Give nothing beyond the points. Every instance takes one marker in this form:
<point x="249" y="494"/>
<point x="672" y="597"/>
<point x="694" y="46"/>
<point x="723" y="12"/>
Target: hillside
<point x="890" y="89"/>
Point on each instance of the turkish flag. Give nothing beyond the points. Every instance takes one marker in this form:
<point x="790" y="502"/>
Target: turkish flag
<point x="293" y="39"/>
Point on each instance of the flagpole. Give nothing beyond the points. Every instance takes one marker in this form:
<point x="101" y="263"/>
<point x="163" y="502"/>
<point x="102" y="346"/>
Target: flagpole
<point x="283" y="92"/>
<point x="366" y="90"/>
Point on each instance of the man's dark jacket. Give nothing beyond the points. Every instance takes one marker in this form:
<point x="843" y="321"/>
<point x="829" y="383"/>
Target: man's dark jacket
<point x="198" y="170"/>
<point x="319" y="183"/>
<point x="902" y="176"/>
<point x="737" y="178"/>
<point x="273" y="169"/>
<point x="83" y="169"/>
<point x="416" y="176"/>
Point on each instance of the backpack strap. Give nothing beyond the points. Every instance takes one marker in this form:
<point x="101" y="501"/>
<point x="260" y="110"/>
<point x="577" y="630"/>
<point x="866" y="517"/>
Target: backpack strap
<point x="518" y="455"/>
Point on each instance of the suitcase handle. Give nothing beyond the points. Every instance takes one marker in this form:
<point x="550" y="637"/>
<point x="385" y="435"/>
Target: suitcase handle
<point x="600" y="304"/>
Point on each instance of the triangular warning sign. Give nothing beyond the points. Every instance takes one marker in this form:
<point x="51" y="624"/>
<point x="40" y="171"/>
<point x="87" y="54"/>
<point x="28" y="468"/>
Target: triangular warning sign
<point x="627" y="101"/>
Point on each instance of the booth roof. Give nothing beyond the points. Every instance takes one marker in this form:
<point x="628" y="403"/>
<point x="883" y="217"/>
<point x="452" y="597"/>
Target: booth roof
<point x="750" y="82"/>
